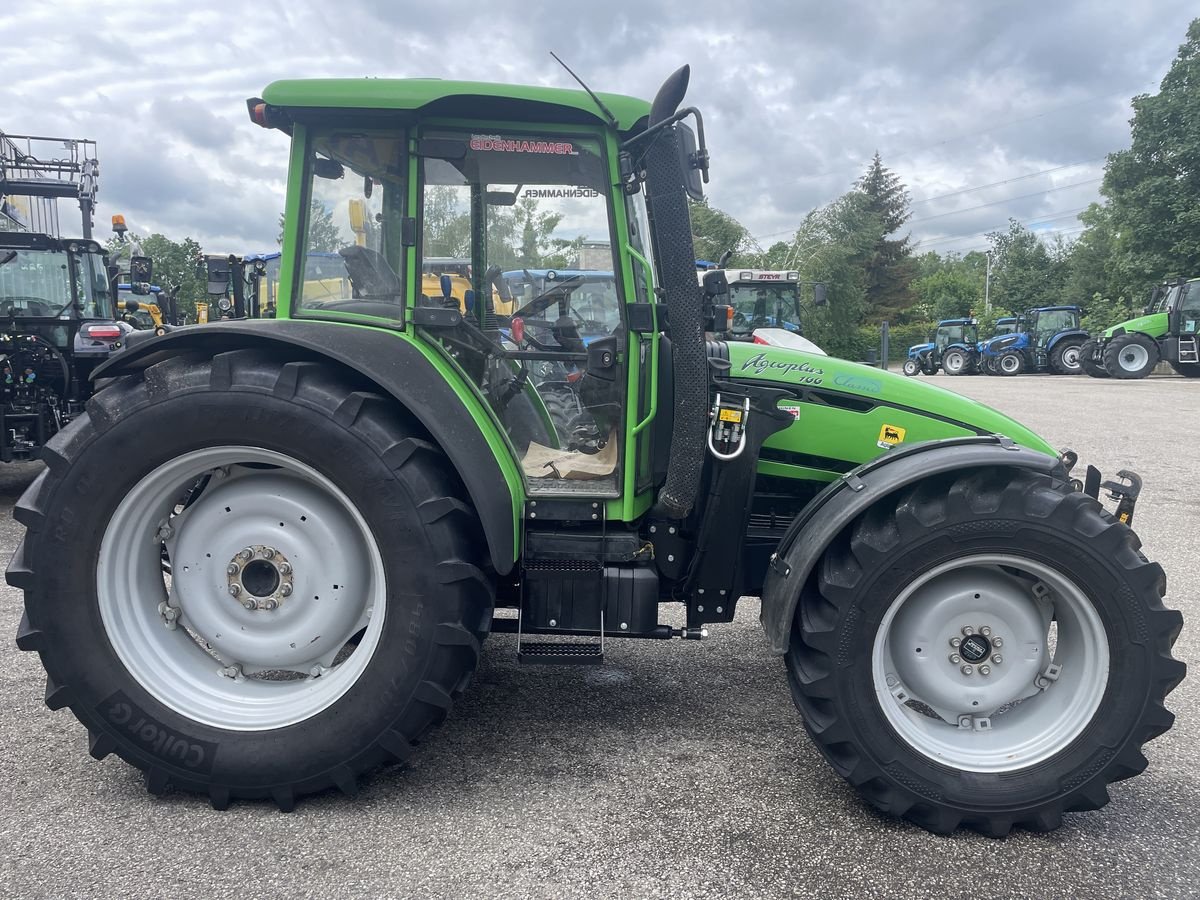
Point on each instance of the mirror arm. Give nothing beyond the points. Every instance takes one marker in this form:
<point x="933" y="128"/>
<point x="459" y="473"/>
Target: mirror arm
<point x="700" y="160"/>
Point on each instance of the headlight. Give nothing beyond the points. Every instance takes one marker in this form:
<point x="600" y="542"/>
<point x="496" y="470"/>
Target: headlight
<point x="224" y="304"/>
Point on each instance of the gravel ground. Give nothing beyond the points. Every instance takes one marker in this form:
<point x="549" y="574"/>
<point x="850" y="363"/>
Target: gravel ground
<point x="676" y="770"/>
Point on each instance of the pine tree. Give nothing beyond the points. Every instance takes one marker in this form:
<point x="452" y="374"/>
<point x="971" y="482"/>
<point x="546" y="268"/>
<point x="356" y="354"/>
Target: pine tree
<point x="888" y="264"/>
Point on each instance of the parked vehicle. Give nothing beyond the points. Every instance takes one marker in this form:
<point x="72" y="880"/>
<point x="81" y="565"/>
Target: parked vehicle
<point x="1167" y="331"/>
<point x="952" y="349"/>
<point x="1047" y="339"/>
<point x="287" y="580"/>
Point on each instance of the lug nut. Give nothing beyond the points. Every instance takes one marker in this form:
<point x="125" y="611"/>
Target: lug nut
<point x="234" y="590"/>
<point x="285" y="590"/>
<point x="967" y="670"/>
<point x="955" y="658"/>
<point x="232" y="569"/>
<point x="285" y="568"/>
<point x="269" y="604"/>
<point x="954" y="642"/>
<point x="967" y="630"/>
<point x="985" y="631"/>
<point x="268" y="552"/>
<point x="985" y="670"/>
<point x="997" y="659"/>
<point x="997" y="642"/>
<point x="246" y="553"/>
<point x="250" y="604"/>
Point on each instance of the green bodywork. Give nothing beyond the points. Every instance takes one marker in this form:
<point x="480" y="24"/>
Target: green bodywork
<point x="845" y="411"/>
<point x="1154" y="325"/>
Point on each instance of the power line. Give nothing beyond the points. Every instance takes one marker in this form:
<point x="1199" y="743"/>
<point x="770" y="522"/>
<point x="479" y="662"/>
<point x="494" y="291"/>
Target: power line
<point x="982" y="187"/>
<point x="1004" y="200"/>
<point x="962" y="237"/>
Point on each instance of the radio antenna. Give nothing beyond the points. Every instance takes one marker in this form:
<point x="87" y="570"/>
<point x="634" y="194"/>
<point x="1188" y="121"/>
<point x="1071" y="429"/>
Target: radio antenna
<point x="612" y="120"/>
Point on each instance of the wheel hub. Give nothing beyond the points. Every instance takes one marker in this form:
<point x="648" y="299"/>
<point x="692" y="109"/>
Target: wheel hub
<point x="975" y="649"/>
<point x="259" y="577"/>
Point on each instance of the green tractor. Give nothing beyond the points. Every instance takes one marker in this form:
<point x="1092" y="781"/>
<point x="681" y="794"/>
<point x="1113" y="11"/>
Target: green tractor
<point x="319" y="518"/>
<point x="1167" y="330"/>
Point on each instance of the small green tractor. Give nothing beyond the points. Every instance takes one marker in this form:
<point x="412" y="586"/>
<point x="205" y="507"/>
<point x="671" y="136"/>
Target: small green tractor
<point x="319" y="518"/>
<point x="1168" y="330"/>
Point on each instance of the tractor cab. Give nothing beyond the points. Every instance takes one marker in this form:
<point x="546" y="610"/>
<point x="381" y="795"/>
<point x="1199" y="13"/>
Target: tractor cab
<point x="1006" y="325"/>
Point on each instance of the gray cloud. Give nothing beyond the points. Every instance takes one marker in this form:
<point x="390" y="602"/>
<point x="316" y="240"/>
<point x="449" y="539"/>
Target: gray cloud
<point x="797" y="95"/>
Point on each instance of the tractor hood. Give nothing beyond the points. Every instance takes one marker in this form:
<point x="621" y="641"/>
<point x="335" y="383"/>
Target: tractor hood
<point x="1154" y="325"/>
<point x="847" y="413"/>
<point x="918" y="348"/>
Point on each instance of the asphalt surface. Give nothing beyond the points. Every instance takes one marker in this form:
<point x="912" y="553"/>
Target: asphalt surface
<point x="676" y="770"/>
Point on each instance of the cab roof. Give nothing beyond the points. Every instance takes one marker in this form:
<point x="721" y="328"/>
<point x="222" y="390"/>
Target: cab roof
<point x="473" y="99"/>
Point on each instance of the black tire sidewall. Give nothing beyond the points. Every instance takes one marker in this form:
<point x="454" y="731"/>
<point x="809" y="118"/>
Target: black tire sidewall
<point x="1112" y="356"/>
<point x="108" y="698"/>
<point x="1130" y="666"/>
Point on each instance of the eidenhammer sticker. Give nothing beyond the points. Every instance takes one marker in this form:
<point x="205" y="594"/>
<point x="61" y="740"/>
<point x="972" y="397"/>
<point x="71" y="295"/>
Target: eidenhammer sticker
<point x="497" y="144"/>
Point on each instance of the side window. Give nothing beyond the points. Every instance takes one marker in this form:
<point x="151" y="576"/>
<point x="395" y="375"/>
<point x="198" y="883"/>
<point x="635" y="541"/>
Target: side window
<point x="353" y="258"/>
<point x="1189" y="307"/>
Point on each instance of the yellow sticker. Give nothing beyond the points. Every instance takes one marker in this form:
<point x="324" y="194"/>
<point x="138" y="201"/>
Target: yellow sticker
<point x="890" y="436"/>
<point x="730" y="415"/>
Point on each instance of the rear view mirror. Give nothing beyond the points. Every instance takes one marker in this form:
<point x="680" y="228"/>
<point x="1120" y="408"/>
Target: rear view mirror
<point x="689" y="166"/>
<point x="328" y="168"/>
<point x="502" y="198"/>
<point x="141" y="268"/>
<point x="819" y="294"/>
<point x="715" y="283"/>
<point x="217" y="273"/>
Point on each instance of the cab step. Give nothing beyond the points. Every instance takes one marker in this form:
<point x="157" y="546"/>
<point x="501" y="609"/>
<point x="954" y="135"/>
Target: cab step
<point x="1188" y="352"/>
<point x="561" y="653"/>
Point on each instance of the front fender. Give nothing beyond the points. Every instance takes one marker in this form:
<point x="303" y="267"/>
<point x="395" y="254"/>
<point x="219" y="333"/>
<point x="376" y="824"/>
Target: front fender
<point x="404" y="369"/>
<point x="843" y="500"/>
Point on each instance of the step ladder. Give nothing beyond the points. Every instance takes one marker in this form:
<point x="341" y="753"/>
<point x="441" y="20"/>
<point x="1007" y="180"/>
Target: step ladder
<point x="1188" y="350"/>
<point x="560" y="652"/>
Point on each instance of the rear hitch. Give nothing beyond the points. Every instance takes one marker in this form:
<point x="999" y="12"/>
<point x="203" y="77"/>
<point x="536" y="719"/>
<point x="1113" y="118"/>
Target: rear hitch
<point x="1125" y="492"/>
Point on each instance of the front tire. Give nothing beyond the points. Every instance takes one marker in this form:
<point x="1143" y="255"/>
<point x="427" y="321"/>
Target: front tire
<point x="1129" y="356"/>
<point x="910" y="367"/>
<point x="1011" y="363"/>
<point x="1087" y="360"/>
<point x="878" y="662"/>
<point x="278" y="589"/>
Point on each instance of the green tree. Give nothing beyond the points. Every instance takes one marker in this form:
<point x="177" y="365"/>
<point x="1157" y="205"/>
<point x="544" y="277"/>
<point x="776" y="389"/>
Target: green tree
<point x="323" y="233"/>
<point x="175" y="266"/>
<point x="888" y="262"/>
<point x="830" y="244"/>
<point x="950" y="293"/>
<point x="1154" y="187"/>
<point x="1024" y="274"/>
<point x="714" y="232"/>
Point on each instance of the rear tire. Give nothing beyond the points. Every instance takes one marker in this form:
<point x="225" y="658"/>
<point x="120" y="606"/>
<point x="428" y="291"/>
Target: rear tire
<point x="386" y="517"/>
<point x="1130" y="356"/>
<point x="1088" y="363"/>
<point x="901" y="579"/>
<point x="1066" y="358"/>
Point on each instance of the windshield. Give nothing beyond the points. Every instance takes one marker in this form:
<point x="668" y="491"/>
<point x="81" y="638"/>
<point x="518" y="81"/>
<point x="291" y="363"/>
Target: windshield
<point x="764" y="306"/>
<point x="955" y="334"/>
<point x="1005" y="328"/>
<point x="34" y="282"/>
<point x="1162" y="300"/>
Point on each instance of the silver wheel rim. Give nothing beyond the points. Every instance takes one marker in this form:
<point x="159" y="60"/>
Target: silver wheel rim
<point x="910" y="367"/>
<point x="953" y="361"/>
<point x="1133" y="357"/>
<point x="1030" y="704"/>
<point x="1070" y="358"/>
<point x="1009" y="363"/>
<point x="190" y="638"/>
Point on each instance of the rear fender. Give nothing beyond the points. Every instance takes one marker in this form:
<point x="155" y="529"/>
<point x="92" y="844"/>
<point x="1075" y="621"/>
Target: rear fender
<point x="1077" y="334"/>
<point x="831" y="511"/>
<point x="400" y="369"/>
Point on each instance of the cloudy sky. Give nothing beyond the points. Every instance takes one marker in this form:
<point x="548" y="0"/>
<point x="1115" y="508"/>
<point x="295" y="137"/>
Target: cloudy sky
<point x="986" y="109"/>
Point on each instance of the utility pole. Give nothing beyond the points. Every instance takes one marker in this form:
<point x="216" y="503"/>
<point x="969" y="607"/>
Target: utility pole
<point x="987" y="285"/>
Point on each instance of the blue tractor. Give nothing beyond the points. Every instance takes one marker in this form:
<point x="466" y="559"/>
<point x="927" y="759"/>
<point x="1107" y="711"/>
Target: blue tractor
<point x="953" y="350"/>
<point x="1045" y="339"/>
